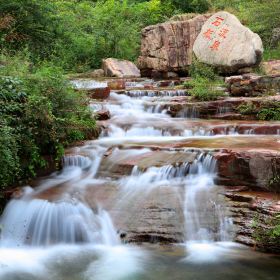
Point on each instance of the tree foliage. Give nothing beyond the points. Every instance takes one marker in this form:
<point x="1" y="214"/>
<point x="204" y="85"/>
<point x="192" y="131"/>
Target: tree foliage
<point x="39" y="115"/>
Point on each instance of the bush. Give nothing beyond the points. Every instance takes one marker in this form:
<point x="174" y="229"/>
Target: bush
<point x="77" y="35"/>
<point x="247" y="109"/>
<point x="199" y="69"/>
<point x="40" y="115"/>
<point x="190" y="6"/>
<point x="269" y="111"/>
<point x="204" y="90"/>
<point x="205" y="82"/>
<point x="28" y="23"/>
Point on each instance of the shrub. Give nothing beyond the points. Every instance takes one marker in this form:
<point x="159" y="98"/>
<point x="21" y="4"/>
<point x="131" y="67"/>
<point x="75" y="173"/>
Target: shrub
<point x="40" y="115"/>
<point x="205" y="83"/>
<point x="28" y="23"/>
<point x="199" y="69"/>
<point x="247" y="108"/>
<point x="204" y="90"/>
<point x="190" y="6"/>
<point x="269" y="111"/>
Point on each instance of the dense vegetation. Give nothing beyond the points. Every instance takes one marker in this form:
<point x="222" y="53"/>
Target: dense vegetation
<point x="40" y="114"/>
<point x="41" y="40"/>
<point x="205" y="84"/>
<point x="78" y="34"/>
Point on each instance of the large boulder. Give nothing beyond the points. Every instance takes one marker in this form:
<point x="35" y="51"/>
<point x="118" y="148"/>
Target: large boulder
<point x="120" y="68"/>
<point x="167" y="47"/>
<point x="226" y="44"/>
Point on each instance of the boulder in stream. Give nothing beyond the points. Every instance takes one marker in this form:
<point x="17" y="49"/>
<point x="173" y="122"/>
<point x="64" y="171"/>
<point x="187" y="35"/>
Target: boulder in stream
<point x="120" y="68"/>
<point x="227" y="44"/>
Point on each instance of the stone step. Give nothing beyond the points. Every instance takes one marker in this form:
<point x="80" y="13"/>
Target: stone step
<point x="252" y="161"/>
<point x="183" y="127"/>
<point x="223" y="108"/>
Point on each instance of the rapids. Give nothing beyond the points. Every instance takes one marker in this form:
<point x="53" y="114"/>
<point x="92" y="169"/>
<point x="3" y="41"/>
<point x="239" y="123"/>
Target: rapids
<point x="76" y="223"/>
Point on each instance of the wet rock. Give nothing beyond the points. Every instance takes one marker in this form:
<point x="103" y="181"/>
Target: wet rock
<point x="97" y="73"/>
<point x="253" y="85"/>
<point x="103" y="115"/>
<point x="155" y="217"/>
<point x="119" y="68"/>
<point x="226" y="108"/>
<point x="167" y="47"/>
<point x="99" y="93"/>
<point x="160" y="158"/>
<point x="248" y="168"/>
<point x="252" y="218"/>
<point x="117" y="84"/>
<point x="226" y="44"/>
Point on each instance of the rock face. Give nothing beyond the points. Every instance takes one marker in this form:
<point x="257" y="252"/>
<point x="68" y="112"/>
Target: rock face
<point x="167" y="47"/>
<point x="120" y="68"/>
<point x="253" y="168"/>
<point x="226" y="44"/>
<point x="253" y="85"/>
<point x="252" y="213"/>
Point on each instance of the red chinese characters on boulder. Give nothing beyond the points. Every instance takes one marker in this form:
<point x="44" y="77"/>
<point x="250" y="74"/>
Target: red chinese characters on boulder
<point x="215" y="46"/>
<point x="223" y="32"/>
<point x="217" y="34"/>
<point x="208" y="34"/>
<point x="218" y="21"/>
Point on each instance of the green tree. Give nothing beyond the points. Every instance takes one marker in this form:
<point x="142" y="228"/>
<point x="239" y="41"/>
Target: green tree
<point x="29" y="23"/>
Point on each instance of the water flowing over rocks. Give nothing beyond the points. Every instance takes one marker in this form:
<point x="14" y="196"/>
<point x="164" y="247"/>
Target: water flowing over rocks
<point x="226" y="44"/>
<point x="164" y="170"/>
<point x="94" y="89"/>
<point x="167" y="47"/>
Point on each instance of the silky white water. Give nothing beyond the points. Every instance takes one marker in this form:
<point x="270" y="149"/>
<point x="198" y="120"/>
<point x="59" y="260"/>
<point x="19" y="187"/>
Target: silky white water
<point x="68" y="227"/>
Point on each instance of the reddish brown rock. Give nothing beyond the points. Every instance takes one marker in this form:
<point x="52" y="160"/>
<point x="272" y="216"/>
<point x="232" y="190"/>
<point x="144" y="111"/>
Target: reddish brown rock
<point x="254" y="168"/>
<point x="167" y="47"/>
<point x="103" y="115"/>
<point x="252" y="213"/>
<point x="117" y="84"/>
<point x="99" y="93"/>
<point x="253" y="85"/>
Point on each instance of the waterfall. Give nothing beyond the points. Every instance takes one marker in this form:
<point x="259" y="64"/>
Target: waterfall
<point x="33" y="221"/>
<point x="205" y="220"/>
<point x="39" y="222"/>
<point x="76" y="160"/>
<point x="204" y="212"/>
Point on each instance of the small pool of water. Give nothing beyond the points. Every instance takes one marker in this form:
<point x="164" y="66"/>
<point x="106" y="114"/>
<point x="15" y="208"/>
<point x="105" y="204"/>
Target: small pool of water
<point x="88" y="262"/>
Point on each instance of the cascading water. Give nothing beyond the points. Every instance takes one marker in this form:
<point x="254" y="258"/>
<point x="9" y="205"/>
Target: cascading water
<point x="68" y="227"/>
<point x="205" y="220"/>
<point x="205" y="215"/>
<point x="39" y="222"/>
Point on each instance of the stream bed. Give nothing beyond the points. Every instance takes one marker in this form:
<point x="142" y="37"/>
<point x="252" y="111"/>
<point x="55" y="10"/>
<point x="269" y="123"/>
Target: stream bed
<point x="140" y="202"/>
